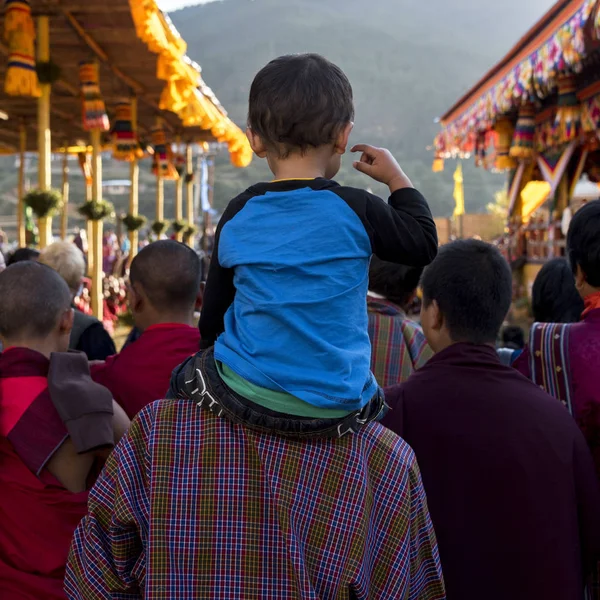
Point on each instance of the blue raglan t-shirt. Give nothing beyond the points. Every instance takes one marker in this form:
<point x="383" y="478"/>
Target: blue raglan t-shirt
<point x="285" y="299"/>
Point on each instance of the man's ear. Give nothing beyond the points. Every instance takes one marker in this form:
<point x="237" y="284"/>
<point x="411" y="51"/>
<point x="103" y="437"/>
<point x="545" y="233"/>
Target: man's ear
<point x="437" y="318"/>
<point x="341" y="141"/>
<point x="65" y="325"/>
<point x="256" y="144"/>
<point x="135" y="298"/>
<point x="580" y="278"/>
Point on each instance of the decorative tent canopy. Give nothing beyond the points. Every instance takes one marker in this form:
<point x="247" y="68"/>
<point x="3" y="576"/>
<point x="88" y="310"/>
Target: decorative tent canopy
<point x="140" y="54"/>
<point x="547" y="86"/>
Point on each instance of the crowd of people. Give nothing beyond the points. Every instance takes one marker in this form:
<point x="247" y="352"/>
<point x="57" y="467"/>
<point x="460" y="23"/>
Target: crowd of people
<point x="308" y="438"/>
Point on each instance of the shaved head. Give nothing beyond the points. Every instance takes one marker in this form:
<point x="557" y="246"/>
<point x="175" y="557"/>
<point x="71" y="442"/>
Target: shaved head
<point x="33" y="298"/>
<point x="169" y="274"/>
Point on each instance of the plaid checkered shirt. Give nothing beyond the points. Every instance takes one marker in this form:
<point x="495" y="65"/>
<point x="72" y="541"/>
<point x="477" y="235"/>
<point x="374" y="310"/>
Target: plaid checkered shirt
<point x="193" y="506"/>
<point x="398" y="346"/>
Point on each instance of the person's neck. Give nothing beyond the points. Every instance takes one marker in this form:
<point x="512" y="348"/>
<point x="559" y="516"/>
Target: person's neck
<point x="163" y="319"/>
<point x="307" y="166"/>
<point x="45" y="347"/>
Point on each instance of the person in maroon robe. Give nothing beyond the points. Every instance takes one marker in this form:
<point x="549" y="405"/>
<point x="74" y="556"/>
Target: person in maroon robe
<point x="164" y="286"/>
<point x="56" y="426"/>
<point x="509" y="479"/>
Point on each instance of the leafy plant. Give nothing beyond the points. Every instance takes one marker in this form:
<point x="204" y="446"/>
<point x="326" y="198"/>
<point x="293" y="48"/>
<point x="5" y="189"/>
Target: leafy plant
<point x="133" y="222"/>
<point x="96" y="210"/>
<point x="159" y="227"/>
<point x="44" y="203"/>
<point x="179" y="225"/>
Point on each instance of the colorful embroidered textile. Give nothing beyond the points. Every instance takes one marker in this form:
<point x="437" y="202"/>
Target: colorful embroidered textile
<point x="191" y="505"/>
<point x="398" y="346"/>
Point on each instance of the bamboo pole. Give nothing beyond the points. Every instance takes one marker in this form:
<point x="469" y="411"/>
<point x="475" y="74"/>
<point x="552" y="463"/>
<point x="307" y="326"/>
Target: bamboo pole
<point x="43" y="114"/>
<point x="90" y="233"/>
<point x="189" y="189"/>
<point x="160" y="198"/>
<point x="21" y="236"/>
<point x="97" y="226"/>
<point x="179" y="197"/>
<point x="64" y="222"/>
<point x="134" y="173"/>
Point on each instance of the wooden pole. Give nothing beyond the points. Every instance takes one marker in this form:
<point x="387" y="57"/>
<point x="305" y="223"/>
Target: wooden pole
<point x="179" y="198"/>
<point x="206" y="219"/>
<point x="134" y="173"/>
<point x="97" y="226"/>
<point x="44" y="146"/>
<point x="21" y="237"/>
<point x="160" y="198"/>
<point x="64" y="222"/>
<point x="90" y="234"/>
<point x="189" y="190"/>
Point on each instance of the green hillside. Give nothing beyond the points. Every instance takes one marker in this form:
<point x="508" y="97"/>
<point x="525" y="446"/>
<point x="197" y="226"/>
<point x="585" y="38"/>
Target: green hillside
<point x="407" y="60"/>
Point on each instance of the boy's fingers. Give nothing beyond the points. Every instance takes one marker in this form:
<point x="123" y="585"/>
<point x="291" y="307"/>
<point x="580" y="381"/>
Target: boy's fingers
<point x="363" y="167"/>
<point x="370" y="151"/>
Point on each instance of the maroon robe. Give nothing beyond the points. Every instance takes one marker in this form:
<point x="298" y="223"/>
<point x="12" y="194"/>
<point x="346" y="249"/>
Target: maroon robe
<point x="509" y="479"/>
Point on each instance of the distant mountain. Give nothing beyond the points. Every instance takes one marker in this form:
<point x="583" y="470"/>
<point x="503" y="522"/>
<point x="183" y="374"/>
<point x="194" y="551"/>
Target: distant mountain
<point x="408" y="61"/>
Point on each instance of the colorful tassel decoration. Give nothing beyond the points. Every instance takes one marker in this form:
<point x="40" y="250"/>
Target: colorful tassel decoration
<point x="480" y="150"/>
<point x="19" y="35"/>
<point x="124" y="139"/>
<point x="590" y="114"/>
<point x="162" y="163"/>
<point x="523" y="138"/>
<point x="85" y="167"/>
<point x="438" y="164"/>
<point x="568" y="114"/>
<point x="94" y="111"/>
<point x="504" y="130"/>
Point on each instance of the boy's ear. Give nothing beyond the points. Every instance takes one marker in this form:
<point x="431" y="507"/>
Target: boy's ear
<point x="341" y="142"/>
<point x="134" y="298"/>
<point x="256" y="144"/>
<point x="65" y="324"/>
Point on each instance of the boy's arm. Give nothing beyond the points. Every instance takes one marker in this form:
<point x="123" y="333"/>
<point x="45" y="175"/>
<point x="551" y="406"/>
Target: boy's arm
<point x="402" y="231"/>
<point x="219" y="291"/>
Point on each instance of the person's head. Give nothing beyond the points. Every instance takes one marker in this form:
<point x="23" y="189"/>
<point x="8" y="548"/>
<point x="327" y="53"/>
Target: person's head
<point x="583" y="248"/>
<point x="35" y="308"/>
<point x="554" y="298"/>
<point x="467" y="291"/>
<point x="513" y="337"/>
<point x="68" y="261"/>
<point x="21" y="254"/>
<point x="395" y="283"/>
<point x="164" y="284"/>
<point x="301" y="106"/>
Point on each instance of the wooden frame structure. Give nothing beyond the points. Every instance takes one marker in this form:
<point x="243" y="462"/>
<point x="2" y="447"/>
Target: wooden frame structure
<point x="140" y="57"/>
<point x="536" y="116"/>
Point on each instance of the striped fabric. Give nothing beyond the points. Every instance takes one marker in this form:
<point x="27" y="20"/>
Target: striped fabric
<point x="398" y="346"/>
<point x="193" y="506"/>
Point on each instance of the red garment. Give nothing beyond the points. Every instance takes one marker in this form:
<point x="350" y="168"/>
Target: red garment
<point x="591" y="302"/>
<point x="141" y="372"/>
<point x="37" y="515"/>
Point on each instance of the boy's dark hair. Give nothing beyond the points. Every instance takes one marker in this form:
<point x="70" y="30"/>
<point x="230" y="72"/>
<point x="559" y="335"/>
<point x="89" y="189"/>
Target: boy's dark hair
<point x="298" y="102"/>
<point x="554" y="298"/>
<point x="33" y="298"/>
<point x="21" y="254"/>
<point x="583" y="242"/>
<point x="169" y="273"/>
<point x="395" y="283"/>
<point x="513" y="337"/>
<point x="472" y="285"/>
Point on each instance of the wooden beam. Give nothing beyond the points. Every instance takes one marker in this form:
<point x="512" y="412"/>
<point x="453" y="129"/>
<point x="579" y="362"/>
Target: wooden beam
<point x="82" y="9"/>
<point x="100" y="53"/>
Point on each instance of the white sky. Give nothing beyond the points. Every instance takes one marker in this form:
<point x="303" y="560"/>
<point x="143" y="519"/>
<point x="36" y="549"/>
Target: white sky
<point x="169" y="5"/>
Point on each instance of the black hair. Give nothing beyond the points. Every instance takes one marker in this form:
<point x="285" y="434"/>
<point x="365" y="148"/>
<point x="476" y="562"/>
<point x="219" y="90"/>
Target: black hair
<point x="513" y="337"/>
<point x="169" y="273"/>
<point x="396" y="283"/>
<point x="472" y="284"/>
<point x="298" y="102"/>
<point x="33" y="298"/>
<point x="583" y="242"/>
<point x="21" y="254"/>
<point x="554" y="298"/>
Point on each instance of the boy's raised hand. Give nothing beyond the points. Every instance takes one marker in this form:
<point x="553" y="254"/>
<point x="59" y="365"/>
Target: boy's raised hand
<point x="379" y="164"/>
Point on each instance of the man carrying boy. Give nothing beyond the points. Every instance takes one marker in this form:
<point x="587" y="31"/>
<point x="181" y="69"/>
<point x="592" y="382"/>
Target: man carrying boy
<point x="510" y="481"/>
<point x="164" y="283"/>
<point x="250" y="482"/>
<point x="54" y="424"/>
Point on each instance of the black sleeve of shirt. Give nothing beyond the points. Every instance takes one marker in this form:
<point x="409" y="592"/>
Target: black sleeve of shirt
<point x="96" y="343"/>
<point x="401" y="231"/>
<point x="219" y="291"/>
